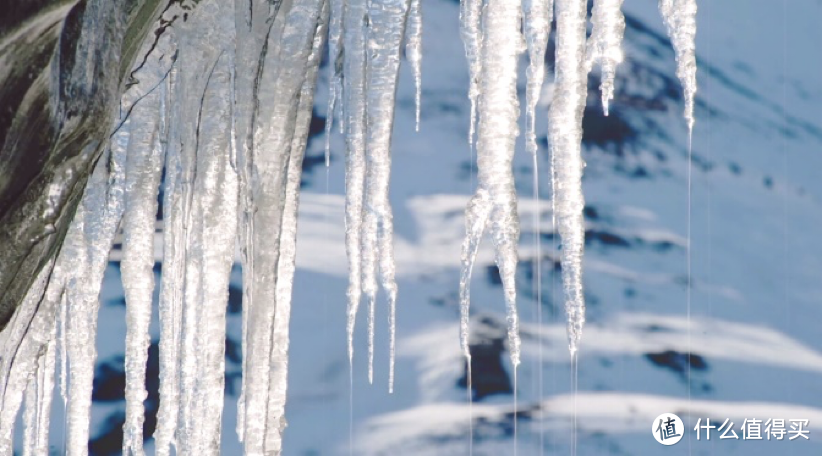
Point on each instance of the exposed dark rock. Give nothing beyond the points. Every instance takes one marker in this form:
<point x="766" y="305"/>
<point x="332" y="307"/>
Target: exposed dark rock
<point x="677" y="362"/>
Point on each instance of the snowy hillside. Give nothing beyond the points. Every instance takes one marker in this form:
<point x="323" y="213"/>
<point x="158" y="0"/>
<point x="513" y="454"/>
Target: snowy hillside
<point x="756" y="263"/>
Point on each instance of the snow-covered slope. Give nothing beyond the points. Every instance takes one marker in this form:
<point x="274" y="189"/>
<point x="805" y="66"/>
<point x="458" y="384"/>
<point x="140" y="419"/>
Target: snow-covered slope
<point x="756" y="262"/>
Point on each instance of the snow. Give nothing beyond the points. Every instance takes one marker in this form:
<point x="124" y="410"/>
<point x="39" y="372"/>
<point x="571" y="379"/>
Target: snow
<point x="622" y="415"/>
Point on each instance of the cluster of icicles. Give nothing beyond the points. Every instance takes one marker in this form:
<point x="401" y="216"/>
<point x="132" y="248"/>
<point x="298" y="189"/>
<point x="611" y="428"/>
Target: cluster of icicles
<point x="218" y="114"/>
<point x="493" y="42"/>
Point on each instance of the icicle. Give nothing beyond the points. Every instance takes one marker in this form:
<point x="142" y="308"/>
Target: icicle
<point x="253" y="23"/>
<point x="355" y="126"/>
<point x="214" y="207"/>
<point x="171" y="289"/>
<point x="61" y="322"/>
<point x="288" y="243"/>
<point x="335" y="57"/>
<point x="38" y="402"/>
<point x="679" y="17"/>
<point x="470" y="11"/>
<point x="30" y="335"/>
<point x="210" y="230"/>
<point x="45" y="394"/>
<point x="102" y="208"/>
<point x="386" y="25"/>
<point x="30" y="414"/>
<point x="22" y="345"/>
<point x="537" y="16"/>
<point x="476" y="218"/>
<point x="286" y="68"/>
<point x="202" y="198"/>
<point x="145" y="157"/>
<point x="494" y="205"/>
<point x="565" y="118"/>
<point x="413" y="52"/>
<point x="604" y="46"/>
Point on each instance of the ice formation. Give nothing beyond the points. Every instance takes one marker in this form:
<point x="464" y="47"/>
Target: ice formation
<point x="494" y="206"/>
<point x="565" y="136"/>
<point x="604" y="46"/>
<point x="275" y="73"/>
<point x="219" y="103"/>
<point x="413" y="52"/>
<point x="470" y="11"/>
<point x="679" y="17"/>
<point x="144" y="166"/>
<point x="575" y="56"/>
<point x="537" y="18"/>
<point x="372" y="34"/>
<point x="38" y="404"/>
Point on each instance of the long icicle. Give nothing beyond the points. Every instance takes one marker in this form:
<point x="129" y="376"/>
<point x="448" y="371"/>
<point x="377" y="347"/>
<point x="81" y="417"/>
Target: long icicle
<point x="208" y="194"/>
<point x="38" y="402"/>
<point x="335" y="57"/>
<point x="387" y="23"/>
<point x="102" y="208"/>
<point x="413" y="52"/>
<point x="470" y="13"/>
<point x="171" y="289"/>
<point x="100" y="212"/>
<point x="30" y="411"/>
<point x="354" y="16"/>
<point x="537" y="15"/>
<point x="288" y="244"/>
<point x="62" y="318"/>
<point x="145" y="158"/>
<point x="494" y="205"/>
<point x="565" y="118"/>
<point x="34" y="326"/>
<point x="20" y="355"/>
<point x="294" y="30"/>
<point x="253" y="24"/>
<point x="537" y="18"/>
<point x="216" y="194"/>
